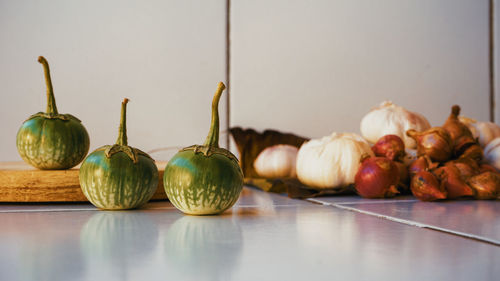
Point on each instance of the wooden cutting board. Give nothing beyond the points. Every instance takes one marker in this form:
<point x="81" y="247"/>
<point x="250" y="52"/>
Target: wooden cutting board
<point x="19" y="182"/>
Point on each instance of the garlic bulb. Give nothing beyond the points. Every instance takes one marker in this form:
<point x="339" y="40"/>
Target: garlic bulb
<point x="331" y="161"/>
<point x="277" y="161"/>
<point x="391" y="119"/>
<point x="492" y="153"/>
<point x="483" y="131"/>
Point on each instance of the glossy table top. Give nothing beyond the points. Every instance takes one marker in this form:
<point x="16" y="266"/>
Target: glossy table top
<point x="264" y="237"/>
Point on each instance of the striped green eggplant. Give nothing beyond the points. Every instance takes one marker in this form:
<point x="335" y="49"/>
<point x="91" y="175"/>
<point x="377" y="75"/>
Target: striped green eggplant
<point x="204" y="179"/>
<point x="118" y="177"/>
<point x="49" y="140"/>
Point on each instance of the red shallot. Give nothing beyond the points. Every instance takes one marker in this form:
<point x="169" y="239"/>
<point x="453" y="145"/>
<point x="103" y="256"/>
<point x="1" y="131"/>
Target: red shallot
<point x="485" y="185"/>
<point x="391" y="147"/>
<point x="452" y="181"/>
<point x="434" y="142"/>
<point x="377" y="177"/>
<point x="426" y="187"/>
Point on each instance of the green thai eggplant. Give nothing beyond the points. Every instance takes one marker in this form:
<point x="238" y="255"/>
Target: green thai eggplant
<point x="117" y="177"/>
<point x="204" y="179"/>
<point x="49" y="140"/>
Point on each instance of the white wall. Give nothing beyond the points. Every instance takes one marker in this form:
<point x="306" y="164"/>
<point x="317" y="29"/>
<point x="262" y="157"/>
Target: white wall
<point x="316" y="69"/>
<point x="166" y="56"/>
<point x="309" y="67"/>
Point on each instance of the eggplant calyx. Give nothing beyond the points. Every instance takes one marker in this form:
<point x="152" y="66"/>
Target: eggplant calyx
<point x="64" y="117"/>
<point x="132" y="153"/>
<point x="207" y="151"/>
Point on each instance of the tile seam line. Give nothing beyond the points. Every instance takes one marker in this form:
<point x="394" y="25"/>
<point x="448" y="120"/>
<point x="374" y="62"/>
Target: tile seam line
<point x="376" y="202"/>
<point x="228" y="72"/>
<point x="413" y="223"/>
<point x="491" y="54"/>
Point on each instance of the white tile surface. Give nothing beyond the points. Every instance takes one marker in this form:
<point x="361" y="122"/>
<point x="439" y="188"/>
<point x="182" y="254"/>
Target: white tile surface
<point x="166" y="56"/>
<point x="265" y="237"/>
<point x="317" y="67"/>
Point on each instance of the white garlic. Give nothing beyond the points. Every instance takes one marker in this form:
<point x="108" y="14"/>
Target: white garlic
<point x="391" y="119"/>
<point x="410" y="156"/>
<point x="492" y="153"/>
<point x="331" y="161"/>
<point x="483" y="131"/>
<point x="277" y="161"/>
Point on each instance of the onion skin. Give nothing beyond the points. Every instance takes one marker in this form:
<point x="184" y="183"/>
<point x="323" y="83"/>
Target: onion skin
<point x="426" y="187"/>
<point x="468" y="167"/>
<point x="435" y="143"/>
<point x="460" y="134"/>
<point x="404" y="178"/>
<point x="391" y="147"/>
<point x="423" y="163"/>
<point x="487" y="168"/>
<point x="377" y="177"/>
<point x="453" y="182"/>
<point x="485" y="185"/>
<point x="474" y="152"/>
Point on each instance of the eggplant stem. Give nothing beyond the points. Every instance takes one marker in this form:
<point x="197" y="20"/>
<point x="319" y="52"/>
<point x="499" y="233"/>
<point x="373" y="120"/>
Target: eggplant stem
<point x="51" y="101"/>
<point x="213" y="134"/>
<point x="122" y="131"/>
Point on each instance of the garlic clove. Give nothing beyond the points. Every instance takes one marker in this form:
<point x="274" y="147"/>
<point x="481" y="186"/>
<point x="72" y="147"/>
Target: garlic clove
<point x="492" y="153"/>
<point x="484" y="132"/>
<point x="391" y="119"/>
<point x="488" y="131"/>
<point x="277" y="161"/>
<point x="410" y="156"/>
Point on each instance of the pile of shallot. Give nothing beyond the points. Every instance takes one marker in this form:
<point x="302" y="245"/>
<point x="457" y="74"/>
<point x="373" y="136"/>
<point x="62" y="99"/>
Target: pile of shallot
<point x="448" y="165"/>
<point x="385" y="174"/>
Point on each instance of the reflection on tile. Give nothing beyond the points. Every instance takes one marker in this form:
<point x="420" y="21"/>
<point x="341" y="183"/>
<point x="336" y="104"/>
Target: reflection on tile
<point x="289" y="242"/>
<point x="198" y="248"/>
<point x="39" y="245"/>
<point x="113" y="243"/>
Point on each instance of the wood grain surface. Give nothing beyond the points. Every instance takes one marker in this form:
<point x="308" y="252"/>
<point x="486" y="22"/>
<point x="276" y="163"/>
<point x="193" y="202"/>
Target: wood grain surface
<point x="19" y="182"/>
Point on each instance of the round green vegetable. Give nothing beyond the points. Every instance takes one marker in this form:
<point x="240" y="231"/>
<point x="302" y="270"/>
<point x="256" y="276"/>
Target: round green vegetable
<point x="204" y="179"/>
<point x="49" y="140"/>
<point x="117" y="177"/>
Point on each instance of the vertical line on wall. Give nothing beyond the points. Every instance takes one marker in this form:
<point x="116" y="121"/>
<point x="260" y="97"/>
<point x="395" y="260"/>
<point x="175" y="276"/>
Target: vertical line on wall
<point x="492" y="58"/>
<point x="228" y="70"/>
